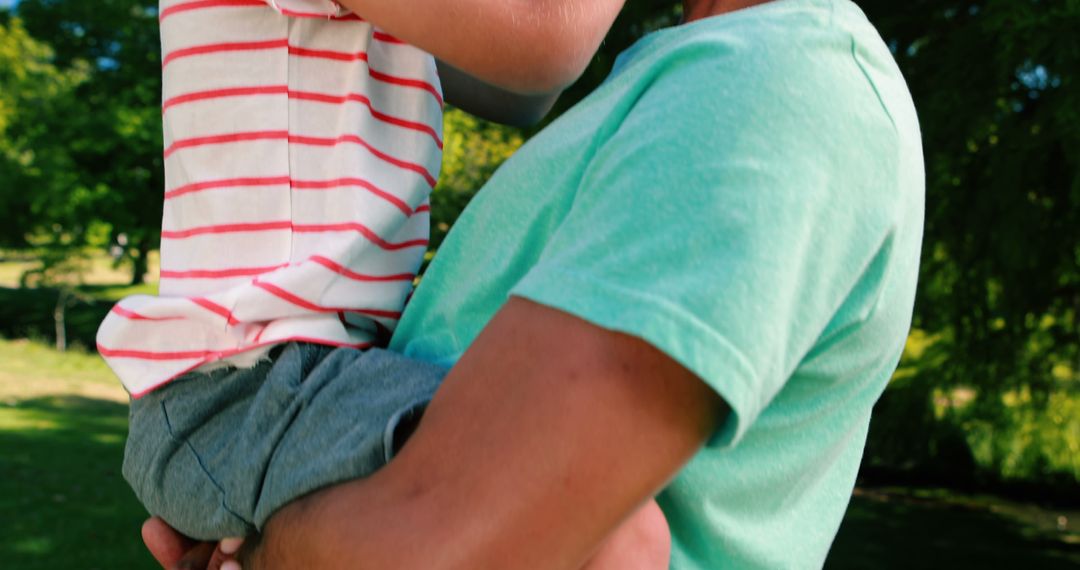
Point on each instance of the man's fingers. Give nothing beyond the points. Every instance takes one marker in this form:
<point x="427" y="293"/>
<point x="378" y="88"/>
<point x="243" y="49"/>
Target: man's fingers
<point x="199" y="557"/>
<point x="165" y="544"/>
<point x="230" y="546"/>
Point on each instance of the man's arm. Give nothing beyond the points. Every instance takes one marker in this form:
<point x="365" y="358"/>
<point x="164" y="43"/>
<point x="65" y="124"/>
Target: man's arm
<point x="547" y="434"/>
<point x="524" y="46"/>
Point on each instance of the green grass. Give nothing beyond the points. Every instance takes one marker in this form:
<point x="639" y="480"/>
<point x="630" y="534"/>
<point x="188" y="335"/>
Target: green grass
<point x="63" y="503"/>
<point x="96" y="268"/>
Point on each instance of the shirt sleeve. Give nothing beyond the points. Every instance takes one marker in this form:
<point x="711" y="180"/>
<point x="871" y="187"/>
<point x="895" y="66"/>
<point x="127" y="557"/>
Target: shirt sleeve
<point x="309" y="8"/>
<point x="726" y="230"/>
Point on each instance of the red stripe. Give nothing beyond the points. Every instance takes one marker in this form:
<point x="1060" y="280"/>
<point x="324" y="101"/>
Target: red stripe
<point x="303" y="96"/>
<point x="363" y="230"/>
<point x="344" y="182"/>
<point x="256" y="271"/>
<point x="206" y="356"/>
<point x="199" y="4"/>
<point x="215" y="308"/>
<point x="406" y="82"/>
<point x="150" y="355"/>
<point x="228" y="183"/>
<point x="385" y="37"/>
<point x="220" y="273"/>
<point x="346" y="272"/>
<point x="377" y="75"/>
<point x="297" y="139"/>
<point x="295" y="184"/>
<point x="344" y="17"/>
<point x="139" y="317"/>
<point x="343" y="139"/>
<point x="328" y="54"/>
<point x="284" y="225"/>
<point x="358" y="98"/>
<point x="424" y="208"/>
<point x="226" y="228"/>
<point x="223" y="47"/>
<point x="227" y="138"/>
<point x="228" y="92"/>
<point x="305" y="304"/>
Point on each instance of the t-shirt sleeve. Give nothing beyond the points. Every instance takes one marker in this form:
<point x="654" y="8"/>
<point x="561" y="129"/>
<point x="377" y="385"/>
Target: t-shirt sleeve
<point x="717" y="229"/>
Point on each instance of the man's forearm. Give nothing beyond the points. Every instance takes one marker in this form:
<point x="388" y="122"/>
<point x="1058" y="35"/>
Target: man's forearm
<point x="525" y="46"/>
<point x="544" y="437"/>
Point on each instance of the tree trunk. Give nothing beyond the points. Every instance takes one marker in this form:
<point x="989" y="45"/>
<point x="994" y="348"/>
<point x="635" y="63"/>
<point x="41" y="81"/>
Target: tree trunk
<point x="58" y="319"/>
<point x="141" y="262"/>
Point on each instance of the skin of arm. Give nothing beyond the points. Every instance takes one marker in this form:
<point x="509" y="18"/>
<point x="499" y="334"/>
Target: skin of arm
<point x="493" y="103"/>
<point x="547" y="434"/>
<point x="524" y="46"/>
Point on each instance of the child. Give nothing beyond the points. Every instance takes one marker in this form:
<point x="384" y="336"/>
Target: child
<point x="300" y="147"/>
<point x="301" y="144"/>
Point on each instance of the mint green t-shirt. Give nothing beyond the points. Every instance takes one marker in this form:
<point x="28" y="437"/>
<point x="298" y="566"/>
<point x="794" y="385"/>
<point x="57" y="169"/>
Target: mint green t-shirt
<point x="745" y="193"/>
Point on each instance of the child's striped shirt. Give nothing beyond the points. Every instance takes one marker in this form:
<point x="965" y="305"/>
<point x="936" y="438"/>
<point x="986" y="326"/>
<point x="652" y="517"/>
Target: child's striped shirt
<point x="301" y="144"/>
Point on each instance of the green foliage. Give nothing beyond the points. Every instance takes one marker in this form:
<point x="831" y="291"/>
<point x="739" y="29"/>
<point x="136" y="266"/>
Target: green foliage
<point x="472" y="149"/>
<point x="33" y="166"/>
<point x="995" y="83"/>
<point x="107" y="135"/>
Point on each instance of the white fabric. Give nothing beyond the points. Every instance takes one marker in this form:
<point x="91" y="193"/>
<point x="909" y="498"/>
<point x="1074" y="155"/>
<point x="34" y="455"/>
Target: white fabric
<point x="300" y="149"/>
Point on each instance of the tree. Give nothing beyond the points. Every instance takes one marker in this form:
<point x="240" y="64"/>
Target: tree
<point x="111" y="129"/>
<point x="33" y="165"/>
<point x="995" y="84"/>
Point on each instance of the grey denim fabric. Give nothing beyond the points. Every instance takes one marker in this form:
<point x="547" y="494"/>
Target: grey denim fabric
<point x="215" y="454"/>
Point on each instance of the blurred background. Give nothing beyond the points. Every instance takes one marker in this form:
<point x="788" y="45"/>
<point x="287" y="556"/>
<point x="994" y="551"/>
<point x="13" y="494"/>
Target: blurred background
<point x="974" y="452"/>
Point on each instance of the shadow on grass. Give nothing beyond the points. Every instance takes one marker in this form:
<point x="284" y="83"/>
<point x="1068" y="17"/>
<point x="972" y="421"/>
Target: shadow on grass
<point x="63" y="502"/>
<point x="885" y="531"/>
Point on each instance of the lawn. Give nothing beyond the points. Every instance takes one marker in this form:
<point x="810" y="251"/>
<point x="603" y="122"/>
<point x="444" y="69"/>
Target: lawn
<point x="63" y="503"/>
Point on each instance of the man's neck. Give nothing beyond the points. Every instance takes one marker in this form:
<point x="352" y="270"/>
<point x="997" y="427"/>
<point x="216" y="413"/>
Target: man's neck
<point x="698" y="9"/>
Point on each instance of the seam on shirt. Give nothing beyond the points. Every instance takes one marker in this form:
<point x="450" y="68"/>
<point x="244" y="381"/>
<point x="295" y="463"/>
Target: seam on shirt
<point x="289" y="23"/>
<point x="873" y="85"/>
<point x="199" y="460"/>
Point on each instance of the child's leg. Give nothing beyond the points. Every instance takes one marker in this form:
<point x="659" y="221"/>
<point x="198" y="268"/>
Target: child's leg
<point x="643" y="542"/>
<point x="215" y="455"/>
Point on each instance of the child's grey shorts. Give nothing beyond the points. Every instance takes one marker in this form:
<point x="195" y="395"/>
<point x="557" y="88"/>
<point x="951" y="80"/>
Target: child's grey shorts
<point x="215" y="454"/>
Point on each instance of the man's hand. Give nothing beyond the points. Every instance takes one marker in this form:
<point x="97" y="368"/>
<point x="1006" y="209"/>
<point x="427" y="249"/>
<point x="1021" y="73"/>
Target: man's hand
<point x="547" y="434"/>
<point x="175" y="551"/>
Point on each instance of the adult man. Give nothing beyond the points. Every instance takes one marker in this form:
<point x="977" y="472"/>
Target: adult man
<point x="697" y="281"/>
